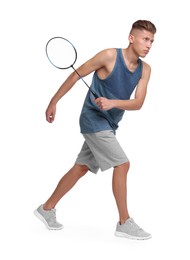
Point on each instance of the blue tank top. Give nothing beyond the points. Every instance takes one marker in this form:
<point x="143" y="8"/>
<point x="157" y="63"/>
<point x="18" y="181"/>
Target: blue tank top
<point x="118" y="85"/>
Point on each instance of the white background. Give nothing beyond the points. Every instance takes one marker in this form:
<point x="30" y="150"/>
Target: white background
<point x="35" y="154"/>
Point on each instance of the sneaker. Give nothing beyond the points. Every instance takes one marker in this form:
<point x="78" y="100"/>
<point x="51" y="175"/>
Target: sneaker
<point x="48" y="217"/>
<point x="131" y="230"/>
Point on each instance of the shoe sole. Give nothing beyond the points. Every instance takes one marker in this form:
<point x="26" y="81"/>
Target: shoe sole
<point x="121" y="234"/>
<point x="40" y="217"/>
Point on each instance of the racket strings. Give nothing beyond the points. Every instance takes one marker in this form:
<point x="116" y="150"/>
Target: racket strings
<point x="63" y="55"/>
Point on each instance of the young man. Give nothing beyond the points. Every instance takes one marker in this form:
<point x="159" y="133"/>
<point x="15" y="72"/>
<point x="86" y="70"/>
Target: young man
<point x="117" y="72"/>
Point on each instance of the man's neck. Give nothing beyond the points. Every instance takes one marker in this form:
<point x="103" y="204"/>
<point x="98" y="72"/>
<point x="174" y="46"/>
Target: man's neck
<point x="130" y="58"/>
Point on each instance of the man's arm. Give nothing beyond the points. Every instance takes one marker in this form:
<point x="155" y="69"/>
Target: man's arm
<point x="132" y="104"/>
<point x="95" y="63"/>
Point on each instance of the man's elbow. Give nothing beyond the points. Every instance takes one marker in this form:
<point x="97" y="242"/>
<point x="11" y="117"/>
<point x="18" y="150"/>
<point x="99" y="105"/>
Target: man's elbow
<point x="139" y="105"/>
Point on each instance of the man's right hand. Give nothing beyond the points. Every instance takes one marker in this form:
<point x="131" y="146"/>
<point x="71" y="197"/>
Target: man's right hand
<point x="50" y="113"/>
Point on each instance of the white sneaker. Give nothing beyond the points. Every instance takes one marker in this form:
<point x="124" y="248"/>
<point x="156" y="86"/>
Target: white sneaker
<point x="48" y="217"/>
<point x="131" y="230"/>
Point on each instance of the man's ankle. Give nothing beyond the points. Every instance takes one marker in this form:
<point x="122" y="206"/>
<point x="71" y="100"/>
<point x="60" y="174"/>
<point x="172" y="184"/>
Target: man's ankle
<point x="123" y="220"/>
<point x="45" y="207"/>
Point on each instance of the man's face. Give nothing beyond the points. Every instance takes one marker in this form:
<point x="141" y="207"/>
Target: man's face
<point x="141" y="42"/>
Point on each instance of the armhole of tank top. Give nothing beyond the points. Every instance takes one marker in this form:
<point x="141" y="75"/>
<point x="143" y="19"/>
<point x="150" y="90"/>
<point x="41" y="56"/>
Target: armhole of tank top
<point x="117" y="56"/>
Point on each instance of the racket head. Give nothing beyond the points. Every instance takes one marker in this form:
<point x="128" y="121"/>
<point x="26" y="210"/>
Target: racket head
<point x="61" y="53"/>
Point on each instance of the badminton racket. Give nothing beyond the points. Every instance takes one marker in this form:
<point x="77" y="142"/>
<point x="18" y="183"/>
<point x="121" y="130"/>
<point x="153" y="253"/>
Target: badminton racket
<point x="62" y="54"/>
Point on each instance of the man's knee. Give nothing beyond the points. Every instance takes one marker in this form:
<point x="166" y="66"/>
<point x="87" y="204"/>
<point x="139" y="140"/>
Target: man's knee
<point x="81" y="170"/>
<point x="125" y="166"/>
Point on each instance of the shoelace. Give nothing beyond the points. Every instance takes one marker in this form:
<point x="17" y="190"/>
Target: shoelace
<point x="52" y="215"/>
<point x="131" y="221"/>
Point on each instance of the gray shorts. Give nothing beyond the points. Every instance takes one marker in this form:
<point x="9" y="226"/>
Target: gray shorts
<point x="101" y="150"/>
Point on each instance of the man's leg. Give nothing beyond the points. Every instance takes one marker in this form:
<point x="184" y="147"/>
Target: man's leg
<point x="47" y="212"/>
<point x="119" y="185"/>
<point x="126" y="227"/>
<point x="65" y="184"/>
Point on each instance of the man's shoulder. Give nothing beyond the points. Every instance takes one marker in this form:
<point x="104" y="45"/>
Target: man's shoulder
<point x="146" y="70"/>
<point x="109" y="52"/>
<point x="146" y="66"/>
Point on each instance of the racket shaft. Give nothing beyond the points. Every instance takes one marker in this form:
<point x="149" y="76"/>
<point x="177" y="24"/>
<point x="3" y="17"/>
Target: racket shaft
<point x="96" y="96"/>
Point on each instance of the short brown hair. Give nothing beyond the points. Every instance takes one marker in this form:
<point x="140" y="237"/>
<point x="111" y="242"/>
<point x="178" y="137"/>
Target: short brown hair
<point x="144" y="25"/>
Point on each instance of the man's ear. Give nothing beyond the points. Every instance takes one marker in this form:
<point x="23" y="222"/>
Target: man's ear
<point x="131" y="38"/>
